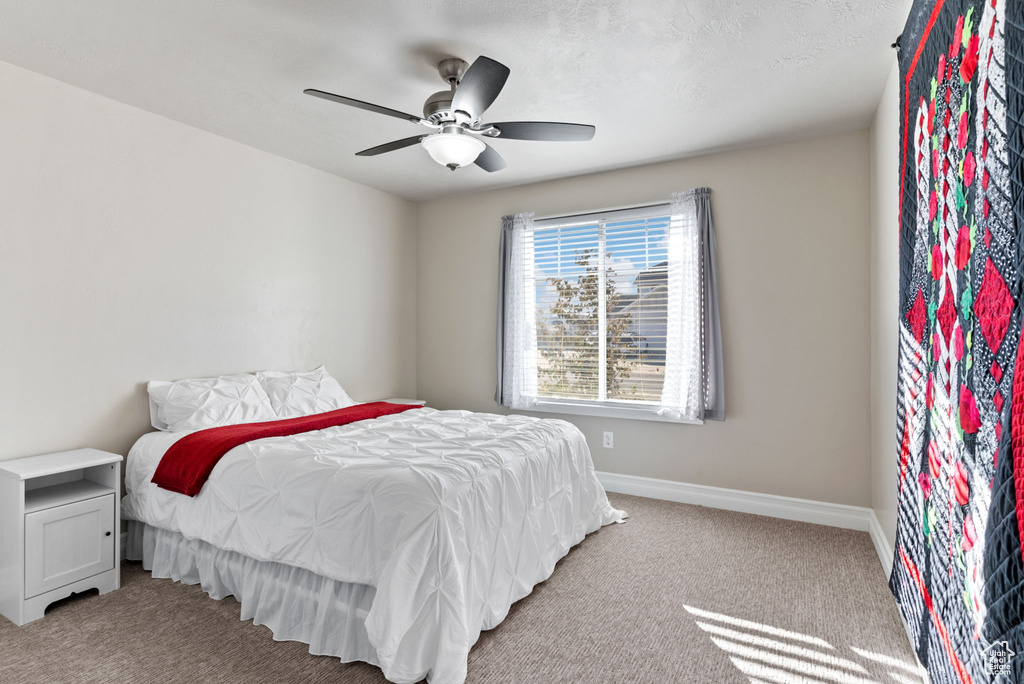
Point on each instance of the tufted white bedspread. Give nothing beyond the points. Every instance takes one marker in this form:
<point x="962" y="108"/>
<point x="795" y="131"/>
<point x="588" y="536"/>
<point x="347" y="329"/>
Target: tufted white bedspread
<point x="452" y="516"/>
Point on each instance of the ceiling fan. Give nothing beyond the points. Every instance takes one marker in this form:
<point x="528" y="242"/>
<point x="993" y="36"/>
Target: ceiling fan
<point x="455" y="117"/>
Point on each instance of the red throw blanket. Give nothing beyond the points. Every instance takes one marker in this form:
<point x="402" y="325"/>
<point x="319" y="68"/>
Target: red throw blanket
<point x="188" y="463"/>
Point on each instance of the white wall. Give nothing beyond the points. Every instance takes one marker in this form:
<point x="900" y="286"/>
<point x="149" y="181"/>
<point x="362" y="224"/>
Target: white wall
<point x="885" y="133"/>
<point x="793" y="234"/>
<point x="133" y="247"/>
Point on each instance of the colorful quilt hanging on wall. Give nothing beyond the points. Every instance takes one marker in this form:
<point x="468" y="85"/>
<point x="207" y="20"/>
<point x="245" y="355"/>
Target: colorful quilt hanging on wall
<point x="958" y="574"/>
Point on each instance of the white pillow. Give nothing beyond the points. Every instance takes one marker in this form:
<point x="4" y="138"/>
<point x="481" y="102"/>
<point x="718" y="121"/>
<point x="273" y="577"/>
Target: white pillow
<point x="199" y="403"/>
<point x="303" y="393"/>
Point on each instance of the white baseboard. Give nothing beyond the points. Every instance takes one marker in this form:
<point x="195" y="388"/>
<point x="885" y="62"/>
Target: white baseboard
<point x="788" y="508"/>
<point x="882" y="546"/>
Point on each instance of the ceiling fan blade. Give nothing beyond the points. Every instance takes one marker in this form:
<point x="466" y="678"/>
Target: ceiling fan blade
<point x="544" y="130"/>
<point x="391" y="146"/>
<point x="489" y="160"/>
<point x="362" y="105"/>
<point x="479" y="87"/>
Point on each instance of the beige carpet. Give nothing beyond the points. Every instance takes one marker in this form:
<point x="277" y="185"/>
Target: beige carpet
<point x="676" y="594"/>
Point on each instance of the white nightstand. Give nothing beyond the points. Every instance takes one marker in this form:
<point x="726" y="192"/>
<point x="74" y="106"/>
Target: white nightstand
<point x="60" y="524"/>
<point x="419" y="402"/>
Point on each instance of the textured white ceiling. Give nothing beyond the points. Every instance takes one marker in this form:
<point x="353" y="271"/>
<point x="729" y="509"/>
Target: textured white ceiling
<point x="660" y="79"/>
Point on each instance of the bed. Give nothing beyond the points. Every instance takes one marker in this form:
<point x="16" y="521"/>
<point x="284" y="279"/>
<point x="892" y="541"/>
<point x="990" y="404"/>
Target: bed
<point x="392" y="541"/>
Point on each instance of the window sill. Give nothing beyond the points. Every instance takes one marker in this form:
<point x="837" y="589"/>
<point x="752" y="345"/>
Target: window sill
<point x="605" y="411"/>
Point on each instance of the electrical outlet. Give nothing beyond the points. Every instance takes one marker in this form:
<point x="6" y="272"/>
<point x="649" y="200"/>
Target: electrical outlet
<point x="609" y="440"/>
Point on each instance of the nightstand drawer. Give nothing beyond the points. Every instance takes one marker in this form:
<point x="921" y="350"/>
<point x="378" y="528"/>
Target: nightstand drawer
<point x="68" y="543"/>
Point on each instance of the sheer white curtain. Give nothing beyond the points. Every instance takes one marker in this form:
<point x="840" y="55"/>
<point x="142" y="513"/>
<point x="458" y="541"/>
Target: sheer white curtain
<point x="519" y="388"/>
<point x="681" y="396"/>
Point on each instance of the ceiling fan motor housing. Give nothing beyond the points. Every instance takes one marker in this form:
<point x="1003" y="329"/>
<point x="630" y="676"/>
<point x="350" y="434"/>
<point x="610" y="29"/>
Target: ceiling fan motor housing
<point x="438" y="107"/>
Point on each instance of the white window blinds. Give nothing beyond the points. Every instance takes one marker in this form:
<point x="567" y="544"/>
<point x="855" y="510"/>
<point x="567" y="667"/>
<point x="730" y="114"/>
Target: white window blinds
<point x="600" y="296"/>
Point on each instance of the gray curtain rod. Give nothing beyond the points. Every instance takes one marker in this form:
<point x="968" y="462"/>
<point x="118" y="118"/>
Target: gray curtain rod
<point x="601" y="211"/>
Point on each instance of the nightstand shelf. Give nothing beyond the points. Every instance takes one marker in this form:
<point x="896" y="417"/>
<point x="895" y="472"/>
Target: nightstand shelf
<point x="59" y="528"/>
<point x="61" y="494"/>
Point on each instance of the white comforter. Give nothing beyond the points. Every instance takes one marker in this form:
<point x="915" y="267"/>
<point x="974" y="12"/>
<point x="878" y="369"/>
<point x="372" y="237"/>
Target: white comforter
<point x="452" y="516"/>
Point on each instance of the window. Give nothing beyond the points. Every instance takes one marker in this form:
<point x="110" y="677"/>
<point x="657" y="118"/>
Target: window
<point x="601" y="297"/>
<point x="612" y="313"/>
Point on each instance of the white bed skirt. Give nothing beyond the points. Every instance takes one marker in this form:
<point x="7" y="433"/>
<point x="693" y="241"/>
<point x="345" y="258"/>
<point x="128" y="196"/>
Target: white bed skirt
<point x="296" y="604"/>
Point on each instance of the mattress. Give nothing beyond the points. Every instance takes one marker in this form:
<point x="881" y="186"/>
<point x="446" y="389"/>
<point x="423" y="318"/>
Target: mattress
<point x="450" y="516"/>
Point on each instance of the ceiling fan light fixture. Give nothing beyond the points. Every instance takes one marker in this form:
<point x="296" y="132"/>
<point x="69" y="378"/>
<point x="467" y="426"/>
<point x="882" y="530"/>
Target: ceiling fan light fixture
<point x="453" y="149"/>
